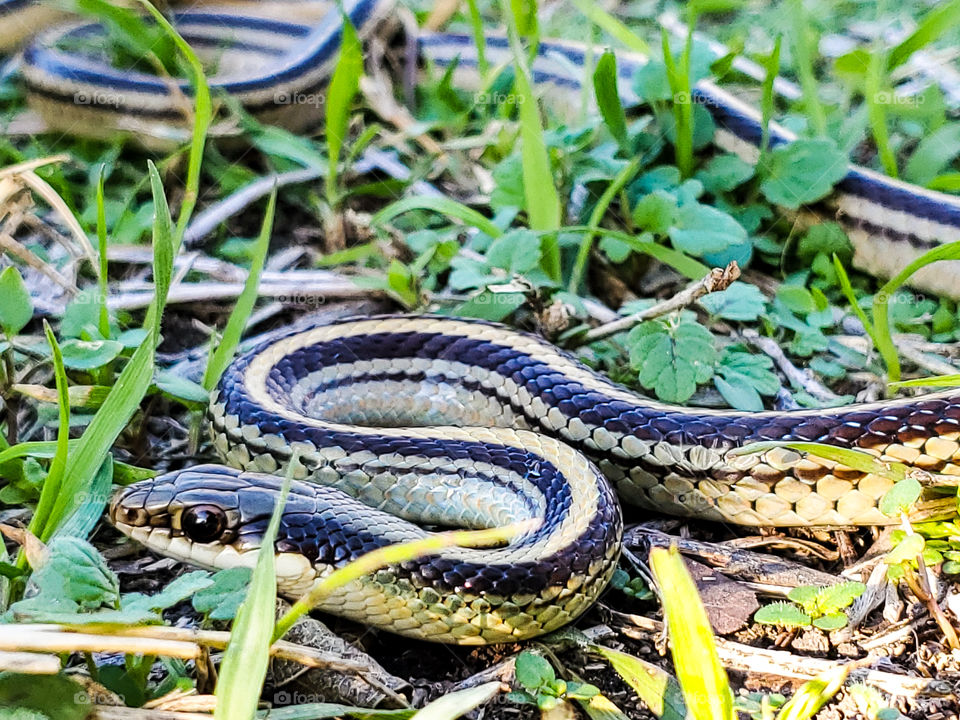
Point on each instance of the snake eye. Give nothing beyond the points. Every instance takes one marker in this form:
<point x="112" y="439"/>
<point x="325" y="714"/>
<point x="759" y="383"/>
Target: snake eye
<point x="203" y="523"/>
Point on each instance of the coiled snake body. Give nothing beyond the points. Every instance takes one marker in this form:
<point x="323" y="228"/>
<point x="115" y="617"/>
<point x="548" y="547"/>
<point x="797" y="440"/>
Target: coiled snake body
<point x="442" y="421"/>
<point x="406" y="421"/>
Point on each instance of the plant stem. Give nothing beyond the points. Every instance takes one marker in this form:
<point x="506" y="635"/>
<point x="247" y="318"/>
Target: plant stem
<point x="804" y="48"/>
<point x="9" y="399"/>
<point x="599" y="210"/>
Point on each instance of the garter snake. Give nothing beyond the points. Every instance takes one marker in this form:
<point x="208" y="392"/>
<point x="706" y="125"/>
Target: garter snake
<point x="443" y="421"/>
<point x="406" y="421"/>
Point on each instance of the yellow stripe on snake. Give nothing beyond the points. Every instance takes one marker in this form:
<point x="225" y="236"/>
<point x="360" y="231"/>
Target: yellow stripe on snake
<point x="403" y="422"/>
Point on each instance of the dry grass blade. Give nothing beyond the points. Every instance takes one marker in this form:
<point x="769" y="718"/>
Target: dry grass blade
<point x="42" y="188"/>
<point x="10" y="245"/>
<point x="31" y="165"/>
<point x="57" y="639"/>
<point x="29" y="663"/>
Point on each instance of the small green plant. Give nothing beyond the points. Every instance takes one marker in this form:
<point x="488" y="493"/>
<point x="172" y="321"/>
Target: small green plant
<point x="542" y="687"/>
<point x="759" y="706"/>
<point x="820" y="607"/>
<point x="908" y="560"/>
<point x="635" y="587"/>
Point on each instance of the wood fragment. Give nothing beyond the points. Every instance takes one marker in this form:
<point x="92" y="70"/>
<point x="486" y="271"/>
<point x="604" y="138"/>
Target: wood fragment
<point x="774" y="573"/>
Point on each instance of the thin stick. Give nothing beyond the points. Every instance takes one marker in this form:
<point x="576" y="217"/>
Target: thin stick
<point x="799" y="378"/>
<point x="716" y="279"/>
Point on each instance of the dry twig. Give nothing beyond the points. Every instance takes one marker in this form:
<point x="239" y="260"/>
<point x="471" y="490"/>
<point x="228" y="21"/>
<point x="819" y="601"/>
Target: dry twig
<point x="716" y="279"/>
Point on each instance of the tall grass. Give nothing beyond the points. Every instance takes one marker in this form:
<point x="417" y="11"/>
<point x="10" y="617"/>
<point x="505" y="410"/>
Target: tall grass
<point x="344" y="86"/>
<point x="224" y="350"/>
<point x="75" y="466"/>
<point x="879" y="330"/>
<point x="804" y="44"/>
<point x="540" y="192"/>
<point x="244" y="665"/>
<point x="678" y="75"/>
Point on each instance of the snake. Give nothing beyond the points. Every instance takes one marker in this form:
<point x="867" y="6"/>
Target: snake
<point x="394" y="426"/>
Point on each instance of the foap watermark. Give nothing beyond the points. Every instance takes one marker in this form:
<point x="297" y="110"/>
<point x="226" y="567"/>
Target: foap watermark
<point x="302" y="299"/>
<point x="685" y="98"/>
<point x="498" y="98"/>
<point x="886" y="97"/>
<point x="491" y="297"/>
<point x="282" y="97"/>
<point x="90" y="696"/>
<point x="900" y="297"/>
<point x="295" y="697"/>
<point x="98" y="97"/>
<point x="92" y="497"/>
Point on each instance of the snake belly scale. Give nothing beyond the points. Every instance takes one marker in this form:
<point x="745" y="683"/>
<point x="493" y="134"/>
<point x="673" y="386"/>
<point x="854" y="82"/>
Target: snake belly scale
<point x="403" y="421"/>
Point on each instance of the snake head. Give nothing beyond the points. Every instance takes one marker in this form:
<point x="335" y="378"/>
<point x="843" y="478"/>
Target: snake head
<point x="215" y="517"/>
<point x="207" y="515"/>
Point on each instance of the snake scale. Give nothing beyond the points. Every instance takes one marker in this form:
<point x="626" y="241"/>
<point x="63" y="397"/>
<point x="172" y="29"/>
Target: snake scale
<point x="405" y="422"/>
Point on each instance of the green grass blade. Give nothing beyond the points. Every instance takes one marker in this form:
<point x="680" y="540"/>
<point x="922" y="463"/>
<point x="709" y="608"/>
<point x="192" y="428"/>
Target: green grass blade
<point x="877" y="111"/>
<point x="814" y="694"/>
<point x="805" y="49"/>
<point x="608" y="98"/>
<point x="702" y="678"/>
<point x="35" y="449"/>
<point x="244" y="306"/>
<point x="131" y="386"/>
<point x="856" y="459"/>
<point x="851" y="297"/>
<point x="128" y="29"/>
<point x="479" y="37"/>
<point x="540" y="193"/>
<point x="441" y="205"/>
<point x="392" y="555"/>
<point x="96" y="441"/>
<point x="103" y="324"/>
<point x="682" y="263"/>
<point x="881" y="310"/>
<point x="936" y="381"/>
<point x="657" y="688"/>
<point x="612" y="25"/>
<point x="524" y="13"/>
<point x="596" y="216"/>
<point x="343" y="88"/>
<point x="163" y="251"/>
<point x="244" y="665"/>
<point x="51" y="486"/>
<point x="124" y="474"/>
<point x="678" y="75"/>
<point x="940" y="20"/>
<point x="767" y="106"/>
<point x="89" y="509"/>
<point x="202" y="117"/>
